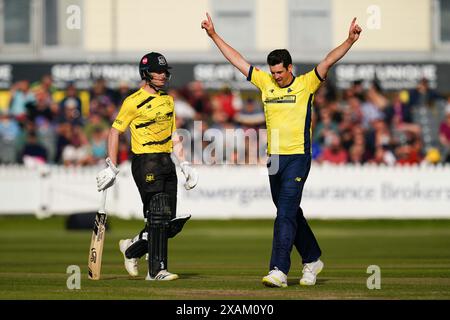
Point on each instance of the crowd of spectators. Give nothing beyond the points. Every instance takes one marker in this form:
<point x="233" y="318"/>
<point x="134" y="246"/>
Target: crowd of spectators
<point x="358" y="125"/>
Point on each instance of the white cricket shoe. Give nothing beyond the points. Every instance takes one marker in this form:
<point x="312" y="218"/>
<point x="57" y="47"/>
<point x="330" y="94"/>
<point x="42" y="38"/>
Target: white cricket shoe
<point x="275" y="279"/>
<point x="310" y="272"/>
<point x="131" y="265"/>
<point x="163" y="275"/>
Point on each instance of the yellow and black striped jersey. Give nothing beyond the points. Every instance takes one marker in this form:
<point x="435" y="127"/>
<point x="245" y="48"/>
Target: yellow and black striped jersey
<point x="288" y="110"/>
<point x="151" y="118"/>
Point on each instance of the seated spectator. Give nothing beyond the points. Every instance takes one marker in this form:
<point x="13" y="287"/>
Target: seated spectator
<point x="42" y="107"/>
<point x="251" y="115"/>
<point x="333" y="152"/>
<point x="399" y="116"/>
<point x="99" y="144"/>
<point x="444" y="134"/>
<point x="319" y="99"/>
<point x="423" y="95"/>
<point x="78" y="152"/>
<point x="407" y="154"/>
<point x="335" y="111"/>
<point x="46" y="88"/>
<point x="124" y="150"/>
<point x="359" y="140"/>
<point x="64" y="133"/>
<point x="94" y="121"/>
<point x="382" y="134"/>
<point x="185" y="113"/>
<point x="356" y="154"/>
<point x="9" y="133"/>
<point x="353" y="111"/>
<point x="383" y="156"/>
<point x="357" y="89"/>
<point x="398" y="112"/>
<point x="220" y="120"/>
<point x="347" y="139"/>
<point x="33" y="152"/>
<point x="325" y="126"/>
<point x="379" y="136"/>
<point x="228" y="102"/>
<point x="71" y="113"/>
<point x="71" y="98"/>
<point x="373" y="105"/>
<point x="47" y="137"/>
<point x="102" y="101"/>
<point x="123" y="91"/>
<point x="21" y="95"/>
<point x="45" y="85"/>
<point x="198" y="98"/>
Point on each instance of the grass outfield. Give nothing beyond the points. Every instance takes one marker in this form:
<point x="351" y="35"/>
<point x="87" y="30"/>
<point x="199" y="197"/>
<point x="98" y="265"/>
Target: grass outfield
<point x="227" y="259"/>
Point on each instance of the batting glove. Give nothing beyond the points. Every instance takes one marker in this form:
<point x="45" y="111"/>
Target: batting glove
<point x="107" y="176"/>
<point x="190" y="174"/>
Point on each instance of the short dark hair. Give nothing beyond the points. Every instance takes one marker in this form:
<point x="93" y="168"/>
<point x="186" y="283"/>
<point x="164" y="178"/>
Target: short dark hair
<point x="279" y="56"/>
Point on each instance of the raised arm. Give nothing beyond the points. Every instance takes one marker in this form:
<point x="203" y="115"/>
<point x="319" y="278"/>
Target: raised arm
<point x="336" y="54"/>
<point x="230" y="53"/>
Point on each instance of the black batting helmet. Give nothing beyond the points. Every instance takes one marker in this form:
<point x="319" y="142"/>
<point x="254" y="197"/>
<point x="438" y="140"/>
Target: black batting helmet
<point x="152" y="62"/>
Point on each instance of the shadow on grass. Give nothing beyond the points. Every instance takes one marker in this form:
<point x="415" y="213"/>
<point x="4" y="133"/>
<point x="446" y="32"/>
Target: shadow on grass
<point x="296" y="282"/>
<point x="140" y="278"/>
<point x="190" y="275"/>
<point x="119" y="278"/>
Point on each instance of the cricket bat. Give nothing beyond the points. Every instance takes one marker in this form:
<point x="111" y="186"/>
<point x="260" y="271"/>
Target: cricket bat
<point x="97" y="241"/>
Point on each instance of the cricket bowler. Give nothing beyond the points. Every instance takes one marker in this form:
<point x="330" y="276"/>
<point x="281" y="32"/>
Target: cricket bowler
<point x="287" y="101"/>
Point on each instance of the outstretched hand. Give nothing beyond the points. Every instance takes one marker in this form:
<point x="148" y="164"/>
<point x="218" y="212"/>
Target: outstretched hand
<point x="208" y="25"/>
<point x="355" y="31"/>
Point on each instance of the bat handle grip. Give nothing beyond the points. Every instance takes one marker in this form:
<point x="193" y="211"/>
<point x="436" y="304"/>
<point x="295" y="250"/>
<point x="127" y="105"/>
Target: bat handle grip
<point x="103" y="203"/>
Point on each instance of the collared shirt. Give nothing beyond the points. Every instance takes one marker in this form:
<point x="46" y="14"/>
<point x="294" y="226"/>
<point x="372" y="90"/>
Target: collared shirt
<point x="287" y="110"/>
<point x="151" y="118"/>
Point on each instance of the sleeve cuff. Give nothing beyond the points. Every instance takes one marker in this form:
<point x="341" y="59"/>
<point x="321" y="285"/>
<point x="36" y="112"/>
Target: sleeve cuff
<point x="118" y="128"/>
<point x="318" y="75"/>
<point x="250" y="71"/>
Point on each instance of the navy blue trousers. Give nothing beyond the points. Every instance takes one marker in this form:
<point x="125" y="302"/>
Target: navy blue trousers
<point x="287" y="175"/>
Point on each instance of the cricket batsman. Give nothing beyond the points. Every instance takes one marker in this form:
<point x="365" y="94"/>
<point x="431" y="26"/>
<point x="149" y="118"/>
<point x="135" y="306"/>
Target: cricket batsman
<point x="150" y="115"/>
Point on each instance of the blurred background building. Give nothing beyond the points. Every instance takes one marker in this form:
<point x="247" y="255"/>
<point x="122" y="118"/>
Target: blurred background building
<point x="120" y="30"/>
